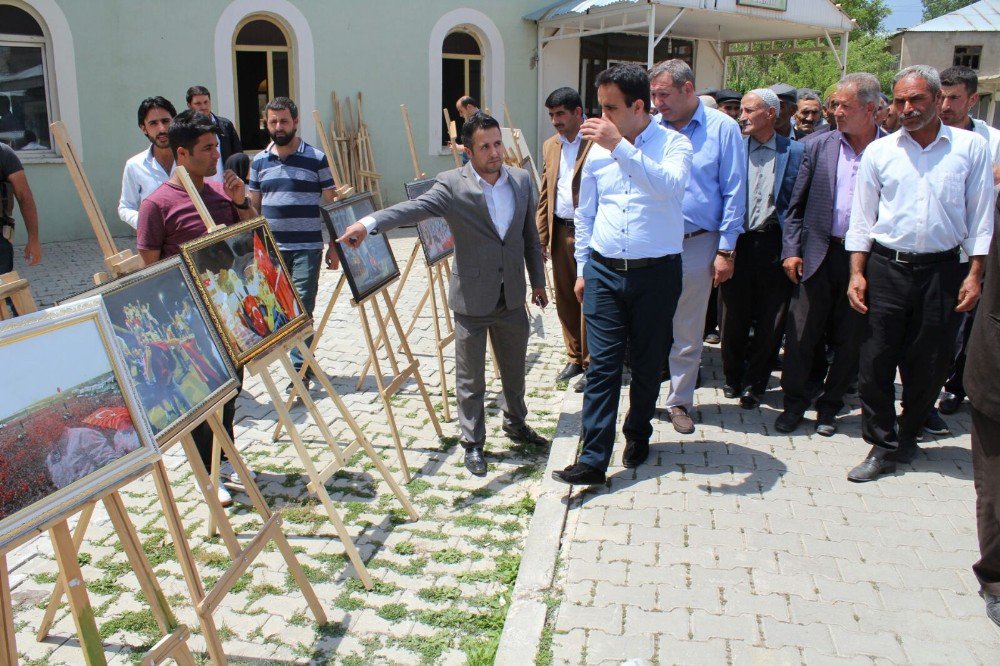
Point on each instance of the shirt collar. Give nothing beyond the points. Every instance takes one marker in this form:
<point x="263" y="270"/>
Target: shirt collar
<point x="646" y="134"/>
<point x="944" y="132"/>
<point x="771" y="143"/>
<point x="502" y="180"/>
<point x="574" y="142"/>
<point x="698" y="117"/>
<point x="269" y="150"/>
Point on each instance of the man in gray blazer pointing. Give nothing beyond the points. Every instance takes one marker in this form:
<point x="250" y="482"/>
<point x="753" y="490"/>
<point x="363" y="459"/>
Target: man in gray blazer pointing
<point x="490" y="209"/>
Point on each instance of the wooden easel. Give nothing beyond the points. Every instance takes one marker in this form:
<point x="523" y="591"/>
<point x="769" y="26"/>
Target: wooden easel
<point x="17" y="289"/>
<point x="436" y="276"/>
<point x="175" y="635"/>
<point x="369" y="178"/>
<point x="319" y="477"/>
<point x="117" y="262"/>
<point x="386" y="318"/>
<point x="343" y="189"/>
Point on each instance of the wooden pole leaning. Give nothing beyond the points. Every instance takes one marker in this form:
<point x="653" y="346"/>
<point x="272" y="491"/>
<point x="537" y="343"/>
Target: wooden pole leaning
<point x="343" y="189"/>
<point x="318" y="477"/>
<point x="384" y="318"/>
<point x="117" y="262"/>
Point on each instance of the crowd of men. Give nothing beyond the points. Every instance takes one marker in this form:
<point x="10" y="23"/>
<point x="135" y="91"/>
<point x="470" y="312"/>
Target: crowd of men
<point x="852" y="232"/>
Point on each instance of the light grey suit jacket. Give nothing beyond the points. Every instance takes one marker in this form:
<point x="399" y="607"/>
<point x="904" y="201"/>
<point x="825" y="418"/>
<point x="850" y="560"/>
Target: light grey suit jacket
<point x="482" y="259"/>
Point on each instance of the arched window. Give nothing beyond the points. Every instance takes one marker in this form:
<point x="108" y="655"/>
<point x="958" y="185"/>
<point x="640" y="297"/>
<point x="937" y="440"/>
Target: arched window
<point x="25" y="101"/>
<point x="262" y="60"/>
<point x="461" y="74"/>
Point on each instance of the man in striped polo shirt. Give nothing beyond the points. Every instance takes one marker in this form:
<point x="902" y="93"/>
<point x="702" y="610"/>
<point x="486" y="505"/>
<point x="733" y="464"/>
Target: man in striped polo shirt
<point x="288" y="181"/>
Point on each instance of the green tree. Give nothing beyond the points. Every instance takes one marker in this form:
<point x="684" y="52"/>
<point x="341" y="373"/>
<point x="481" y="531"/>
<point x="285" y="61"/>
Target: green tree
<point x="935" y="8"/>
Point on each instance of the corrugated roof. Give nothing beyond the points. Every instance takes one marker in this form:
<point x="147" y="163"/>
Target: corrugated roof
<point x="563" y="7"/>
<point x="982" y="16"/>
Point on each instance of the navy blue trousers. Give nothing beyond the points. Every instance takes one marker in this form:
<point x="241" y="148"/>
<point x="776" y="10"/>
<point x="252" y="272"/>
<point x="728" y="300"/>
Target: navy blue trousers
<point x="633" y="308"/>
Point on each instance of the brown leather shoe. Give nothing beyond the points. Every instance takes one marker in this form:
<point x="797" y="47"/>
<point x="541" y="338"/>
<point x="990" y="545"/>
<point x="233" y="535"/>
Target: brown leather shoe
<point x="682" y="422"/>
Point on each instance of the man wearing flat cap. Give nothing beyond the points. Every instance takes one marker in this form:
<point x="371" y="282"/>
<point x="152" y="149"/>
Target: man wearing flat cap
<point x="789" y="98"/>
<point x="729" y="102"/>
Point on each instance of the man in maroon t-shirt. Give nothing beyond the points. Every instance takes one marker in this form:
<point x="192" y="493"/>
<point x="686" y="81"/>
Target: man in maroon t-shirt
<point x="168" y="218"/>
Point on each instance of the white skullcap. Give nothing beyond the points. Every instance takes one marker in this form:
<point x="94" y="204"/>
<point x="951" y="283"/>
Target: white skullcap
<point x="768" y="97"/>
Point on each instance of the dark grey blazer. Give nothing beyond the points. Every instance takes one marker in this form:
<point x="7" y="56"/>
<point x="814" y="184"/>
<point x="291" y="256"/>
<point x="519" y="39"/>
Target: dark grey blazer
<point x="982" y="363"/>
<point x="482" y="259"/>
<point x="810" y="211"/>
<point x="229" y="142"/>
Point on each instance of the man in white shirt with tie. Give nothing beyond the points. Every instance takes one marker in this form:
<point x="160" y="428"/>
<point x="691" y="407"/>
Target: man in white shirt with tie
<point x="921" y="195"/>
<point x="629" y="237"/>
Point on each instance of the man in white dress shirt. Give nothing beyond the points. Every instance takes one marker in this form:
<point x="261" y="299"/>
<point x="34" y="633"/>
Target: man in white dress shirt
<point x="629" y="237"/>
<point x="922" y="194"/>
<point x="152" y="167"/>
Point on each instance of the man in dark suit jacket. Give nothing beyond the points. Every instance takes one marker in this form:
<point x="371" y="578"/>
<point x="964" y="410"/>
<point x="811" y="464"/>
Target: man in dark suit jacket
<point x="200" y="99"/>
<point x="563" y="155"/>
<point x="757" y="295"/>
<point x="982" y="368"/>
<point x="491" y="212"/>
<point x="815" y="260"/>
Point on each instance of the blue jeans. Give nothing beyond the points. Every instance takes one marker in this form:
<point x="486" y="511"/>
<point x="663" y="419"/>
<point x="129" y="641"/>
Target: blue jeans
<point x="304" y="267"/>
<point x="633" y="308"/>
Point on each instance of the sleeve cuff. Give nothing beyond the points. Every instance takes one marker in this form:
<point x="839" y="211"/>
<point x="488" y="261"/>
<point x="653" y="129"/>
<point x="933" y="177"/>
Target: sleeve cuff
<point x="855" y="244"/>
<point x="579" y="268"/>
<point x="371" y="224"/>
<point x="727" y="241"/>
<point x="977" y="247"/>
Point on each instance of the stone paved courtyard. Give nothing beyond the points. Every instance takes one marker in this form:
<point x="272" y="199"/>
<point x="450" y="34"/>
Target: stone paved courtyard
<point x="442" y="583"/>
<point x="734" y="545"/>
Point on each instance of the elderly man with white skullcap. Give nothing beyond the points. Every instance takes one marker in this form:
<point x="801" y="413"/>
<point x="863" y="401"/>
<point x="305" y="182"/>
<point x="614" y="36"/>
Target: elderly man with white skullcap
<point x="758" y="293"/>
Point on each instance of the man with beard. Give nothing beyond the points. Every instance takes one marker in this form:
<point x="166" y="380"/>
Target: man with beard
<point x="152" y="167"/>
<point x="288" y="181"/>
<point x="921" y="196"/>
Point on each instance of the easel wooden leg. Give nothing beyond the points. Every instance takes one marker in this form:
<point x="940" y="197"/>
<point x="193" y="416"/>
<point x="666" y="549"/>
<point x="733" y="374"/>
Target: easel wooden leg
<point x="318" y="488"/>
<point x="209" y="488"/>
<point x="312" y="346"/>
<point x="360" y="437"/>
<point x="416" y="370"/>
<point x="57" y="593"/>
<point x="173" y="646"/>
<point x="186" y="560"/>
<point x="442" y="376"/>
<point x="8" y="641"/>
<point x="213" y="527"/>
<point x="386" y="398"/>
<point x="260" y="504"/>
<point x="76" y="592"/>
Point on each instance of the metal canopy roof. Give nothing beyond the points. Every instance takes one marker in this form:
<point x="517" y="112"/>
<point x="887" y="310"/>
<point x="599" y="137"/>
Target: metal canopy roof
<point x="982" y="16"/>
<point x="716" y="20"/>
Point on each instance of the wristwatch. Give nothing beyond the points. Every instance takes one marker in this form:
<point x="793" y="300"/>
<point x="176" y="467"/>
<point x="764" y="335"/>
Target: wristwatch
<point x="728" y="254"/>
<point x="243" y="206"/>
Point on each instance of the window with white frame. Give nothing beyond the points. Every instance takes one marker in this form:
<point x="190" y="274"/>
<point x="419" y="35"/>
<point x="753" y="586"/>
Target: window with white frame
<point x="461" y="75"/>
<point x="263" y="62"/>
<point x="25" y="101"/>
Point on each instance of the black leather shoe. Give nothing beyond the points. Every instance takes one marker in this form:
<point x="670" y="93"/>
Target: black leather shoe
<point x="579" y="474"/>
<point x="992" y="606"/>
<point x="569" y="372"/>
<point x="950" y="403"/>
<point x="826" y="424"/>
<point x="524" y="434"/>
<point x="787" y="421"/>
<point x="730" y="391"/>
<point x="635" y="453"/>
<point x="474" y="461"/>
<point x="580" y="385"/>
<point x="749" y="399"/>
<point x="879" y="461"/>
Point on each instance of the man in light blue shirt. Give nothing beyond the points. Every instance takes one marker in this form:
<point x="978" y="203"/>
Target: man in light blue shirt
<point x="714" y="205"/>
<point x="629" y="235"/>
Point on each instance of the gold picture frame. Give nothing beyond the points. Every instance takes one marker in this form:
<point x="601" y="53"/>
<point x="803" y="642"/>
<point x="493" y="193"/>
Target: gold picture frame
<point x="72" y="428"/>
<point x="246" y="288"/>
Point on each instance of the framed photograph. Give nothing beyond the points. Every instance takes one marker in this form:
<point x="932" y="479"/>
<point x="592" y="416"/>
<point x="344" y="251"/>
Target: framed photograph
<point x="71" y="425"/>
<point x="372" y="265"/>
<point x="172" y="352"/>
<point x="245" y="287"/>
<point x="435" y="235"/>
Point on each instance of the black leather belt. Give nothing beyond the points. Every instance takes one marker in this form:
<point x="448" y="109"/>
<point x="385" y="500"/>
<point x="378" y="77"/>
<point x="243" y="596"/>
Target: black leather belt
<point x="696" y="232"/>
<point x="915" y="257"/>
<point x="562" y="221"/>
<point x="837" y="240"/>
<point x="629" y="264"/>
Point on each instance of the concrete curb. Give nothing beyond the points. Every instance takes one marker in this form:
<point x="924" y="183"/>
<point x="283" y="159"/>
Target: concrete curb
<point x="522" y="630"/>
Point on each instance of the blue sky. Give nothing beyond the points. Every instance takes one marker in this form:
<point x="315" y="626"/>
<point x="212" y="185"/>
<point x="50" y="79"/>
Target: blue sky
<point x="905" y="14"/>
